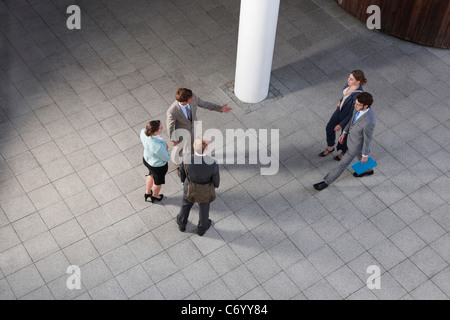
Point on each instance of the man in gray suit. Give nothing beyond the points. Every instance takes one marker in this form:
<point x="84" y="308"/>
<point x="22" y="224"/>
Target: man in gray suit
<point x="183" y="113"/>
<point x="201" y="169"/>
<point x="360" y="131"/>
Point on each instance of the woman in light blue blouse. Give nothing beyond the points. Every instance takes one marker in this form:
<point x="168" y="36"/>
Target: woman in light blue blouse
<point x="156" y="156"/>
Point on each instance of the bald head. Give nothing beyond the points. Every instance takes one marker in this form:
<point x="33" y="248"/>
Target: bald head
<point x="200" y="145"/>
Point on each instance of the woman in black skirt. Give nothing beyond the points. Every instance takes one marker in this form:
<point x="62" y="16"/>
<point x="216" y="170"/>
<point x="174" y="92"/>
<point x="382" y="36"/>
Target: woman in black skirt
<point x="156" y="156"/>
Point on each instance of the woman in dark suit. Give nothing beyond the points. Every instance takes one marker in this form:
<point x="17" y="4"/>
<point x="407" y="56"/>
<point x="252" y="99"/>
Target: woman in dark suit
<point x="343" y="112"/>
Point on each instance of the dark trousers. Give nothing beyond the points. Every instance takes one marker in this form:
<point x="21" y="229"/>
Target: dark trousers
<point x="331" y="134"/>
<point x="186" y="209"/>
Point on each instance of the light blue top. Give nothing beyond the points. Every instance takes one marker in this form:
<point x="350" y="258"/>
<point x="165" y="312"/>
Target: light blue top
<point x="155" y="152"/>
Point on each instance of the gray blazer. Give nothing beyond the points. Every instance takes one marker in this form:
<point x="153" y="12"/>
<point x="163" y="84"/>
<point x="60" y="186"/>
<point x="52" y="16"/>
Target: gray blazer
<point x="360" y="133"/>
<point x="200" y="171"/>
<point x="177" y="120"/>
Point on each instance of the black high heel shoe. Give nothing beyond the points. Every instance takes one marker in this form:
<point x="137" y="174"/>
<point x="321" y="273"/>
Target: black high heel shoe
<point x="323" y="154"/>
<point x="148" y="195"/>
<point x="161" y="196"/>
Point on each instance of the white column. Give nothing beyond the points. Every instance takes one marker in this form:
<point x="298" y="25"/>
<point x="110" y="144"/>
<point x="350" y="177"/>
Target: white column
<point x="257" y="30"/>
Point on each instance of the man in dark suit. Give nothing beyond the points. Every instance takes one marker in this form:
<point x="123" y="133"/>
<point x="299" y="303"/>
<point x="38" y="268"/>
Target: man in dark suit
<point x="360" y="132"/>
<point x="201" y="169"/>
<point x="183" y="113"/>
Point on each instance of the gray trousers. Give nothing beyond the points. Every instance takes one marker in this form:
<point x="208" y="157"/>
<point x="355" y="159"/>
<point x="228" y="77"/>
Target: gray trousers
<point x="343" y="164"/>
<point x="186" y="209"/>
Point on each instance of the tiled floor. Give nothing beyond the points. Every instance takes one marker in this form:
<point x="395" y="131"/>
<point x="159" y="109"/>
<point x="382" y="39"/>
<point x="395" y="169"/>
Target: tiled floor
<point x="72" y="182"/>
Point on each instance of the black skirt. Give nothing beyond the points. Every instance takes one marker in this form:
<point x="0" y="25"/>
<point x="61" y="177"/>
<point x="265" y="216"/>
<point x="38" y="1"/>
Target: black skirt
<point x="158" y="173"/>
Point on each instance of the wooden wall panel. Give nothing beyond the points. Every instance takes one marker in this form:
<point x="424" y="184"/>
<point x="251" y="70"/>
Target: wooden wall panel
<point x="422" y="21"/>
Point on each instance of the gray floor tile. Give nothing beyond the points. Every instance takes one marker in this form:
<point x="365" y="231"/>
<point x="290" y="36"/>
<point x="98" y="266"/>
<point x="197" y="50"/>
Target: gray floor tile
<point x="390" y="288"/>
<point x="346" y="247"/>
<point x="29" y="226"/>
<point x="57" y="169"/>
<point x="240" y="281"/>
<point x="14" y="259"/>
<point x="367" y="234"/>
<point x="216" y="290"/>
<point x="441" y="246"/>
<point x="184" y="253"/>
<point x="428" y="261"/>
<point x="407" y="241"/>
<point x="9" y="238"/>
<point x="6" y="293"/>
<point x="442" y="281"/>
<point x="151" y="293"/>
<point x="18" y="208"/>
<point x="53" y="266"/>
<point x="70" y="131"/>
<point x="175" y="287"/>
<point x="345" y="282"/>
<point x="160" y="267"/>
<point x="428" y="291"/>
<point x="81" y="252"/>
<point x="246" y="246"/>
<point x="134" y="281"/>
<point x="109" y="290"/>
<point x="145" y="247"/>
<point x="408" y="275"/>
<point x="25" y="281"/>
<point x="199" y="274"/>
<point x="387" y="222"/>
<point x="43" y="293"/>
<point x="280" y="287"/>
<point x="440" y="216"/>
<point x="407" y="210"/>
<point x="120" y="260"/>
<point x="321" y="290"/>
<point x="268" y="234"/>
<point x="427" y="229"/>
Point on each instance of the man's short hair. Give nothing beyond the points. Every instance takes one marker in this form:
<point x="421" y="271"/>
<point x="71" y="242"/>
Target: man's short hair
<point x="365" y="98"/>
<point x="200" y="145"/>
<point x="183" y="94"/>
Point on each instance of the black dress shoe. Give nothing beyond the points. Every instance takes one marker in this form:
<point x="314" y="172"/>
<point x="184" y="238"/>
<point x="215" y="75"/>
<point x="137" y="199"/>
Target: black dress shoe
<point x="320" y="186"/>
<point x="202" y="232"/>
<point x="367" y="173"/>
<point x="180" y="226"/>
<point x="323" y="154"/>
<point x="161" y="196"/>
<point x="148" y="195"/>
<point x="337" y="158"/>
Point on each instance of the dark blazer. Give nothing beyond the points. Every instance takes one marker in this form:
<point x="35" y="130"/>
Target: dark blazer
<point x="345" y="113"/>
<point x="201" y="170"/>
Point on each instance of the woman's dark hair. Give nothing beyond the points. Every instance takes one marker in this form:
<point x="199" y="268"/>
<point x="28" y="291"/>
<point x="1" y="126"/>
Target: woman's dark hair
<point x="365" y="98"/>
<point x="359" y="76"/>
<point x="183" y="94"/>
<point x="152" y="127"/>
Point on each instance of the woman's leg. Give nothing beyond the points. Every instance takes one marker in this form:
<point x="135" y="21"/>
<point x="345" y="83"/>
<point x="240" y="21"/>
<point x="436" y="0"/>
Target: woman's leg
<point x="331" y="134"/>
<point x="148" y="184"/>
<point x="156" y="190"/>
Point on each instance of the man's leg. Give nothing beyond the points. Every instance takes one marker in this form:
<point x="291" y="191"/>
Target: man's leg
<point x="186" y="206"/>
<point x="337" y="171"/>
<point x="203" y="218"/>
